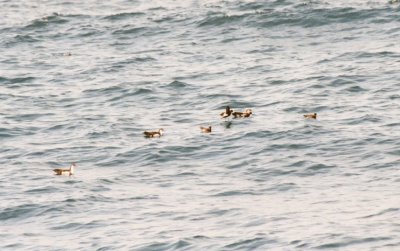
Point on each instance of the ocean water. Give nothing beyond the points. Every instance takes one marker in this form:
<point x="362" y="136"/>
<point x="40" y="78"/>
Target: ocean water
<point x="81" y="80"/>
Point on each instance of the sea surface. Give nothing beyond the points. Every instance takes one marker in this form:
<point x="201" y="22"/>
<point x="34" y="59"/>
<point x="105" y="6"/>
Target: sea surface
<point x="81" y="80"/>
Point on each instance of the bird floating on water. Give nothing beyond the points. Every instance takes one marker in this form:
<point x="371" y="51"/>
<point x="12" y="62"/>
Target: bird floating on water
<point x="310" y="116"/>
<point x="205" y="129"/>
<point x="69" y="172"/>
<point x="154" y="134"/>
<point x="228" y="111"/>
<point x="247" y="113"/>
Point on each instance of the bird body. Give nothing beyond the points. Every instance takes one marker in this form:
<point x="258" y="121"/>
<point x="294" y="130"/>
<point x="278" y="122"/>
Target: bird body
<point x="69" y="172"/>
<point x="310" y="116"/>
<point x="247" y="113"/>
<point x="228" y="111"/>
<point x="154" y="134"/>
<point x="205" y="129"/>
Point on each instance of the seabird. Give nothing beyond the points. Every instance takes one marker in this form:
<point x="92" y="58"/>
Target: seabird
<point x="69" y="172"/>
<point x="205" y="129"/>
<point x="154" y="134"/>
<point x="247" y="113"/>
<point x="310" y="116"/>
<point x="228" y="111"/>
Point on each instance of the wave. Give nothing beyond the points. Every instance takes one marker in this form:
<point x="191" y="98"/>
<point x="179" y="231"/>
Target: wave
<point x="130" y="30"/>
<point x="54" y="19"/>
<point x="220" y="20"/>
<point x="250" y="244"/>
<point x="303" y="17"/>
<point x="17" y="80"/>
<point x="19" y="212"/>
<point x="351" y="242"/>
<point x="123" y="16"/>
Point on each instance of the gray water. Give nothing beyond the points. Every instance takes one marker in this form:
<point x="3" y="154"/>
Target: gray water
<point x="80" y="82"/>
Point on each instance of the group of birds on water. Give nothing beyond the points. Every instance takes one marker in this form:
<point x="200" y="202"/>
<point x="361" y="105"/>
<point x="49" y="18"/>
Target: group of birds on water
<point x="225" y="114"/>
<point x="151" y="134"/>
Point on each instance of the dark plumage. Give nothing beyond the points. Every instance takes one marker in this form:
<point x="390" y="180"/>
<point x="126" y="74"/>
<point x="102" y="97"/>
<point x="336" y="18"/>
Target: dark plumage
<point x="60" y="171"/>
<point x="247" y="113"/>
<point x="205" y="129"/>
<point x="228" y="111"/>
<point x="154" y="134"/>
<point x="310" y="116"/>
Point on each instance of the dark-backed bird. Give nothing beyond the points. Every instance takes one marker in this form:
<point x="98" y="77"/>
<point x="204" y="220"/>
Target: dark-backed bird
<point x="247" y="113"/>
<point x="310" y="116"/>
<point x="205" y="129"/>
<point x="228" y="111"/>
<point x="69" y="172"/>
<point x="154" y="134"/>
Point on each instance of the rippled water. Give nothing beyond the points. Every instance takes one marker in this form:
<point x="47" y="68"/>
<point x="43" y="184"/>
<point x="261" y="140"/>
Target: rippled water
<point x="82" y="81"/>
